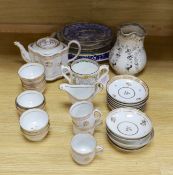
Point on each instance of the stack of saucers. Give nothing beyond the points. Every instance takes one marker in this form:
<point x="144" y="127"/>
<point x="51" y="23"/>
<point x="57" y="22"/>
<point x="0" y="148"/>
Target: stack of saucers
<point x="32" y="76"/>
<point x="127" y="91"/>
<point x="129" y="129"/>
<point x="95" y="39"/>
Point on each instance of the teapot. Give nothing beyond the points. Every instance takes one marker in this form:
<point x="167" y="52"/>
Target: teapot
<point x="49" y="52"/>
<point x="128" y="55"/>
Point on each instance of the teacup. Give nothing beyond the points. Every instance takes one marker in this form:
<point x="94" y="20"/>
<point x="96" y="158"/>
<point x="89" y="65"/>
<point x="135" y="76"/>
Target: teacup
<point x="84" y="115"/>
<point x="84" y="148"/>
<point x="84" y="71"/>
<point x="77" y="130"/>
<point x="34" y="124"/>
<point x="32" y="76"/>
<point x="29" y="99"/>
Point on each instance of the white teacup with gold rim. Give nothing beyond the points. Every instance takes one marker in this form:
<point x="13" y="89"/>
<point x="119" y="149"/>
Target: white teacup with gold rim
<point x="84" y="71"/>
<point x="28" y="100"/>
<point x="84" y="115"/>
<point x="34" y="124"/>
<point x="84" y="148"/>
<point x="77" y="130"/>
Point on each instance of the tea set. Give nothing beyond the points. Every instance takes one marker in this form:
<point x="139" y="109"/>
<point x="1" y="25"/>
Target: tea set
<point x="127" y="127"/>
<point x="49" y="52"/>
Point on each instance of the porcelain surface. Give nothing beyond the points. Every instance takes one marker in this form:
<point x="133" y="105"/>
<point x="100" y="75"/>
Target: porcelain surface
<point x="29" y="99"/>
<point x="128" y="55"/>
<point x="84" y="148"/>
<point x="81" y="92"/>
<point x="84" y="71"/>
<point x="127" y="89"/>
<point x="84" y="115"/>
<point x="129" y="123"/>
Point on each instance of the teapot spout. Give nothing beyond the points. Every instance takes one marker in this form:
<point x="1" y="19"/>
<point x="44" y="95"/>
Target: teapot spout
<point x="24" y="53"/>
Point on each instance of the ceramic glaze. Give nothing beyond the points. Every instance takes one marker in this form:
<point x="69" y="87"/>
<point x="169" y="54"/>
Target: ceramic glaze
<point x="30" y="99"/>
<point x="81" y="110"/>
<point x="84" y="115"/>
<point x="33" y="120"/>
<point x="83" y="143"/>
<point x="84" y="148"/>
<point x="129" y="123"/>
<point x="84" y="68"/>
<point x="85" y="71"/>
<point x="128" y="55"/>
<point x="31" y="71"/>
<point x="77" y="130"/>
<point x="81" y="92"/>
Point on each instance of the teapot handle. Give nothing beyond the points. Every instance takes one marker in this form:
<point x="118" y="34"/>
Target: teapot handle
<point x="79" y="49"/>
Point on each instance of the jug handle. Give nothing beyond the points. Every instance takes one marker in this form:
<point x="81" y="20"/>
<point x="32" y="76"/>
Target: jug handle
<point x="79" y="49"/>
<point x="65" y="71"/>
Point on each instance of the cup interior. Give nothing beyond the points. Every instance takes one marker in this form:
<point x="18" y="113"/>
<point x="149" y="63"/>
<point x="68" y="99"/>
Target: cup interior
<point x="31" y="71"/>
<point x="33" y="120"/>
<point x="83" y="143"/>
<point x="84" y="67"/>
<point x="30" y="99"/>
<point x="79" y="110"/>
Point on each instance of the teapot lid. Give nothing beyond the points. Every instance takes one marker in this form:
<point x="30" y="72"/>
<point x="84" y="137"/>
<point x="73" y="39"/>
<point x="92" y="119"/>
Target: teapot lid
<point x="47" y="43"/>
<point x="48" y="46"/>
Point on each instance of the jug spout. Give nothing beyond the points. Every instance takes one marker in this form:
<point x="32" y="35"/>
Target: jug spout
<point x="24" y="53"/>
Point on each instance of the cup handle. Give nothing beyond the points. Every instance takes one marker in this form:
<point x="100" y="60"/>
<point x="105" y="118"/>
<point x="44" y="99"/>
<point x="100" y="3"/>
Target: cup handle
<point x="65" y="70"/>
<point x="99" y="149"/>
<point x="103" y="71"/>
<point x="98" y="117"/>
<point x="99" y="87"/>
<point x="79" y="49"/>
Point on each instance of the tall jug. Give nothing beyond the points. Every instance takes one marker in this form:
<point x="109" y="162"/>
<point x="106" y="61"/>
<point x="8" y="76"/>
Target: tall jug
<point x="128" y="55"/>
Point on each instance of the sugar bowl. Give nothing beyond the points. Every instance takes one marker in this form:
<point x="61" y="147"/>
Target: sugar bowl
<point x="84" y="71"/>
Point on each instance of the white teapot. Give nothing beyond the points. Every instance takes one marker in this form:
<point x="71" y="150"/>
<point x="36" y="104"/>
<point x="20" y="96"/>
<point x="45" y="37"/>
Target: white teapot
<point x="49" y="52"/>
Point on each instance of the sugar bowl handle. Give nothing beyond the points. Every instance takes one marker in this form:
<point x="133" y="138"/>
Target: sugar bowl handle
<point x="103" y="71"/>
<point x="65" y="71"/>
<point x="79" y="49"/>
<point x="98" y="117"/>
<point x="99" y="149"/>
<point x="98" y="87"/>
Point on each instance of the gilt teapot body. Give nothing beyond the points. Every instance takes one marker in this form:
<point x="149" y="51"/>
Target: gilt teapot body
<point x="128" y="55"/>
<point x="49" y="52"/>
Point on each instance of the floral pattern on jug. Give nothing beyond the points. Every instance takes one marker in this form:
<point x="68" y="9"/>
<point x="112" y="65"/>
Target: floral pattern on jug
<point x="128" y="55"/>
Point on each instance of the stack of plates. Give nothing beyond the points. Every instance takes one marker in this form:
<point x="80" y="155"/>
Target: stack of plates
<point x="95" y="39"/>
<point x="129" y="129"/>
<point x="127" y="91"/>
